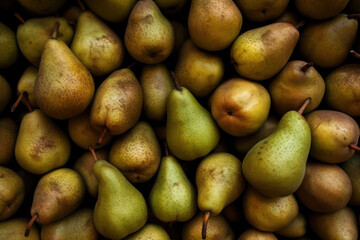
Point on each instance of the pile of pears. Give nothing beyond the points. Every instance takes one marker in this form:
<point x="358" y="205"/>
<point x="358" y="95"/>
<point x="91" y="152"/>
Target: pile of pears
<point x="179" y="119"/>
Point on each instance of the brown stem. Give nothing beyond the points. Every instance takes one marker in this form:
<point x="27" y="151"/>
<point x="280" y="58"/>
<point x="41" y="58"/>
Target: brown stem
<point x="18" y="16"/>
<point x="305" y="104"/>
<point x="166" y="149"/>
<point x="102" y="136"/>
<point x="81" y="5"/>
<point x="92" y="151"/>
<point x="300" y="24"/>
<point x="355" y="54"/>
<point x="56" y="30"/>
<point x="16" y="103"/>
<point x="307" y="66"/>
<point x="176" y="83"/>
<point x="170" y="224"/>
<point x="354" y="147"/>
<point x="132" y="64"/>
<point x="232" y="61"/>
<point x="205" y="222"/>
<point x="29" y="225"/>
<point x="27" y="102"/>
<point x="353" y="16"/>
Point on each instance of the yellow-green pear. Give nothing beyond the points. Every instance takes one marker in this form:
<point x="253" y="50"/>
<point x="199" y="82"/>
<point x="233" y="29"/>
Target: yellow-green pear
<point x="8" y="134"/>
<point x="254" y="234"/>
<point x="260" y="53"/>
<point x="150" y="231"/>
<point x="72" y="14"/>
<point x="43" y="7"/>
<point x="96" y="45"/>
<point x="5" y="93"/>
<point x="8" y="46"/>
<point x="14" y="229"/>
<point x="319" y="9"/>
<point x="351" y="167"/>
<point x="26" y="84"/>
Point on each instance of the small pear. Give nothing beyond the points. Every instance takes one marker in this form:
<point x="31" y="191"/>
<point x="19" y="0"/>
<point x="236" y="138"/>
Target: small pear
<point x="120" y="209"/>
<point x="14" y="229"/>
<point x="150" y="231"/>
<point x="26" y="85"/>
<point x="5" y="93"/>
<point x="318" y="9"/>
<point x="8" y="47"/>
<point x="254" y="51"/>
<point x="8" y="134"/>
<point x="96" y="45"/>
<point x="45" y="7"/>
<point x="149" y="36"/>
<point x="172" y="197"/>
<point x="254" y="234"/>
<point x="352" y="168"/>
<point x="295" y="229"/>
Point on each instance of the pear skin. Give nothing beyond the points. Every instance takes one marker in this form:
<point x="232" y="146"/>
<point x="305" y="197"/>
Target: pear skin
<point x="26" y="84"/>
<point x="320" y="10"/>
<point x="5" y="93"/>
<point x="262" y="11"/>
<point x="150" y="231"/>
<point x="352" y="167"/>
<point x="254" y="234"/>
<point x="8" y="47"/>
<point x="8" y="134"/>
<point x="47" y="7"/>
<point x="14" y="229"/>
<point x="295" y="229"/>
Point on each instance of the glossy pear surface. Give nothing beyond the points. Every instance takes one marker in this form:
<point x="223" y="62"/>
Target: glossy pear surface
<point x="8" y="47"/>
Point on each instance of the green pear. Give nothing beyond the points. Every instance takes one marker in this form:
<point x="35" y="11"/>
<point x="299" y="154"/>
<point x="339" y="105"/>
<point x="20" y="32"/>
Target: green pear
<point x="120" y="208"/>
<point x="5" y="93"/>
<point x="12" y="192"/>
<point x="43" y="7"/>
<point x="352" y="167"/>
<point x="327" y="43"/>
<point x="117" y="102"/>
<point x="32" y="47"/>
<point x="72" y="14"/>
<point x="275" y="166"/>
<point x="260" y="53"/>
<point x="136" y="153"/>
<point x="214" y="24"/>
<point x="8" y="134"/>
<point x="14" y="229"/>
<point x="41" y="145"/>
<point x="77" y="225"/>
<point x="191" y="132"/>
<point x="8" y="47"/>
<point x="26" y="84"/>
<point x="149" y="36"/>
<point x="150" y="231"/>
<point x="172" y="197"/>
<point x="111" y="10"/>
<point x="96" y="45"/>
<point x="156" y="83"/>
<point x="318" y="9"/>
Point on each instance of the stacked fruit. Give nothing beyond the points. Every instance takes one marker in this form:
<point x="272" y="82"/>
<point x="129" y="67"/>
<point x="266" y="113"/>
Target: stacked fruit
<point x="201" y="119"/>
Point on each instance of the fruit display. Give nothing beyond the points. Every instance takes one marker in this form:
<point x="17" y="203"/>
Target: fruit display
<point x="179" y="119"/>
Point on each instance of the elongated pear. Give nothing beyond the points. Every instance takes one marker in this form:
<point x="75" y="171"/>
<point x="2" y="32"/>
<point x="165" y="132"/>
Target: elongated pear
<point x="172" y="197"/>
<point x="120" y="209"/>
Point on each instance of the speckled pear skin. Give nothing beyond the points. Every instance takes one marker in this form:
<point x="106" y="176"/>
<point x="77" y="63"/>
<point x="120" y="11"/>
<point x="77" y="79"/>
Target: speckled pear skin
<point x="150" y="231"/>
<point x="13" y="229"/>
<point x="191" y="132"/>
<point x="173" y="197"/>
<point x="120" y="209"/>
<point x="276" y="165"/>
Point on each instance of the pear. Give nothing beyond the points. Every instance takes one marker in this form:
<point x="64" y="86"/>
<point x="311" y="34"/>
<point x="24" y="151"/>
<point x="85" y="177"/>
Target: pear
<point x="327" y="43"/>
<point x="332" y="134"/>
<point x="351" y="167"/>
<point x="181" y="34"/>
<point x="45" y="7"/>
<point x="239" y="106"/>
<point x="72" y="14"/>
<point x="136" y="153"/>
<point x="96" y="45"/>
<point x="8" y="134"/>
<point x="111" y="10"/>
<point x="191" y="132"/>
<point x="5" y="93"/>
<point x="171" y="6"/>
<point x="172" y="197"/>
<point x="276" y="165"/>
<point x="77" y="225"/>
<point x="342" y="89"/>
<point x="26" y="86"/>
<point x="297" y="81"/>
<point x="12" y="192"/>
<point x="156" y="83"/>
<point x="117" y="102"/>
<point x="149" y="36"/>
<point x="252" y="234"/>
<point x="291" y="17"/>
<point x="32" y="47"/>
<point x="254" y="51"/>
<point x="8" y="47"/>
<point x="318" y="9"/>
<point x="14" y="229"/>
<point x="120" y="208"/>
<point x="214" y="24"/>
<point x="262" y="11"/>
<point x="150" y="231"/>
<point x="198" y="70"/>
<point x="41" y="145"/>
<point x="295" y="229"/>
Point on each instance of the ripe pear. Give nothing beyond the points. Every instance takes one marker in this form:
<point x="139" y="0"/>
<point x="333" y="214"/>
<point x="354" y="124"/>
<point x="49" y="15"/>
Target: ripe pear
<point x="295" y="229"/>
<point x="72" y="13"/>
<point x="191" y="132"/>
<point x="14" y="229"/>
<point x="327" y="43"/>
<point x="77" y="225"/>
<point x="149" y="36"/>
<point x="275" y="166"/>
<point x="32" y="47"/>
<point x="120" y="208"/>
<point x="111" y="10"/>
<point x="332" y="133"/>
<point x="198" y="70"/>
<point x="343" y="88"/>
<point x="254" y="51"/>
<point x="297" y="81"/>
<point x="43" y="7"/>
<point x="254" y="234"/>
<point x="172" y="197"/>
<point x="26" y="84"/>
<point x="96" y="45"/>
<point x="239" y="106"/>
<point x="352" y="167"/>
<point x="156" y="83"/>
<point x="41" y="145"/>
<point x="318" y="9"/>
<point x="5" y="93"/>
<point x="12" y="192"/>
<point x="8" y="134"/>
<point x="8" y="47"/>
<point x="150" y="231"/>
<point x="117" y="102"/>
<point x="214" y="24"/>
<point x="262" y="11"/>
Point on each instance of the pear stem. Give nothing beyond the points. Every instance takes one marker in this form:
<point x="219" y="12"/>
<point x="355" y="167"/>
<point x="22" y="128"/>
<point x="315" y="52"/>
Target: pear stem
<point x="307" y="66"/>
<point x="176" y="83"/>
<point x="132" y="64"/>
<point x="81" y="5"/>
<point x="305" y="104"/>
<point x="354" y="147"/>
<point x="102" y="136"/>
<point x="92" y="151"/>
<point x="56" y="30"/>
<point x="29" y="225"/>
<point x="353" y="16"/>
<point x="27" y="101"/>
<point x="16" y="103"/>
<point x="205" y="222"/>
<point x="300" y="24"/>
<point x="170" y="225"/>
<point x="355" y="54"/>
<point x="18" y="16"/>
